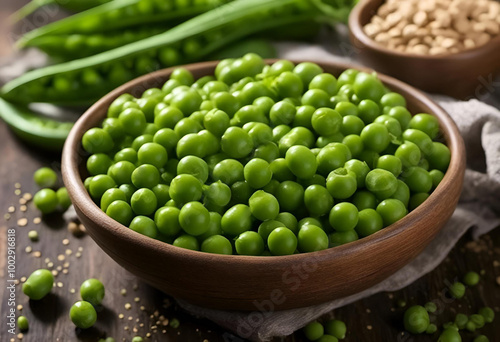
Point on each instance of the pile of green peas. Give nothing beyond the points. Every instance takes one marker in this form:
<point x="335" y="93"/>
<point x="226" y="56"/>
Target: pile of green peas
<point x="83" y="313"/>
<point x="331" y="331"/>
<point x="46" y="199"/>
<point x="263" y="159"/>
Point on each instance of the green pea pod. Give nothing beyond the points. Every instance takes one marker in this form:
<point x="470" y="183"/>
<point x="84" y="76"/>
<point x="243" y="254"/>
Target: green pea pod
<point x="72" y="5"/>
<point x="66" y="47"/>
<point x="85" y="80"/>
<point x="34" y="129"/>
<point x="119" y="15"/>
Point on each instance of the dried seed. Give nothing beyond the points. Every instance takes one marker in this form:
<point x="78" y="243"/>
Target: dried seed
<point x="420" y="18"/>
<point x="22" y="222"/>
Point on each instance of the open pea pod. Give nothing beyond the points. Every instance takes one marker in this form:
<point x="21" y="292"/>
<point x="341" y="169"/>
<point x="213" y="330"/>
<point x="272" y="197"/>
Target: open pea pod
<point x="85" y="80"/>
<point x="116" y="16"/>
<point x="39" y="131"/>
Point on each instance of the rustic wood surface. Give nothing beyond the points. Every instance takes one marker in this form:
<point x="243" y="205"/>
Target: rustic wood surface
<point x="378" y="318"/>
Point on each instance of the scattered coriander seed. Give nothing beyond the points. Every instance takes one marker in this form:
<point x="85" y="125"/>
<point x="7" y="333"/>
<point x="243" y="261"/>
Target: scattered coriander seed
<point x="17" y="192"/>
<point x="28" y="249"/>
<point x="123" y="292"/>
<point x="33" y="235"/>
<point x="6" y="217"/>
<point x="11" y="209"/>
<point x="37" y="220"/>
<point x="61" y="257"/>
<point x="27" y="196"/>
<point x="401" y="303"/>
<point x="137" y="299"/>
<point x="471" y="278"/>
<point x="20" y="307"/>
<point x="120" y="316"/>
<point x="17" y="185"/>
<point x="37" y="254"/>
<point x="22" y="323"/>
<point x="65" y="242"/>
<point x="22" y="201"/>
<point x="128" y="306"/>
<point x="23" y="208"/>
<point x="22" y="222"/>
<point x="23" y="279"/>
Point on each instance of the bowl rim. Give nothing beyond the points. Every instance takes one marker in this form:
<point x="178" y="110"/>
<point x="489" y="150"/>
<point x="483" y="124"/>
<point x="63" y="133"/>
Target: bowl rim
<point x="86" y="206"/>
<point x="356" y="29"/>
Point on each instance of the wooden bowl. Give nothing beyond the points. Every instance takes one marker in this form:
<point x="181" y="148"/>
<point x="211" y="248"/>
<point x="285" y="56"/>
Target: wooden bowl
<point x="462" y="75"/>
<point x="265" y="283"/>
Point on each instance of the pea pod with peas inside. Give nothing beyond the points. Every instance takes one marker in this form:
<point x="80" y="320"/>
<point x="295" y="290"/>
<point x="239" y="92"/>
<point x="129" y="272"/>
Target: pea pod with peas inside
<point x="34" y="129"/>
<point x="119" y="15"/>
<point x="72" y="5"/>
<point x="85" y="80"/>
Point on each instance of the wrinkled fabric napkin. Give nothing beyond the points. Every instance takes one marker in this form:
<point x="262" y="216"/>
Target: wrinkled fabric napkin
<point x="478" y="209"/>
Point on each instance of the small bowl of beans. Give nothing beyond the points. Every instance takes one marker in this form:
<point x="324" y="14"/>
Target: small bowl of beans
<point x="251" y="184"/>
<point x="450" y="47"/>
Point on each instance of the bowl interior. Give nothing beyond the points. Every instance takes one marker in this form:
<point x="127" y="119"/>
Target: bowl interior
<point x="350" y="268"/>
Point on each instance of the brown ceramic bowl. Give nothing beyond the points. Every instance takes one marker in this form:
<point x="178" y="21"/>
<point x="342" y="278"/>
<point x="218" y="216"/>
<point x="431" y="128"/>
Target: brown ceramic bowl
<point x="277" y="283"/>
<point x="462" y="75"/>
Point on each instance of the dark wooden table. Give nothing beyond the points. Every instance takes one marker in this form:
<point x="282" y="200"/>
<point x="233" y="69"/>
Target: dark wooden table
<point x="143" y="310"/>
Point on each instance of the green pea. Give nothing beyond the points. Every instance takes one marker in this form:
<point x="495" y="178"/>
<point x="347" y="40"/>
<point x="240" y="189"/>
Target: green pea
<point x="426" y="123"/>
<point x="22" y="323"/>
<point x="46" y="200"/>
<point x="145" y="226"/>
<point x="368" y="111"/>
<point x="326" y="121"/>
<point x="141" y="140"/>
<point x="133" y="121"/>
<point x="63" y="200"/>
<point x="268" y="152"/>
<point x="375" y="137"/>
<point x="344" y="216"/>
<point x="289" y="220"/>
<point x="301" y="161"/>
<point x="145" y="176"/>
<point x="185" y="188"/>
<point x="187" y="241"/>
<point x="282" y="241"/>
<point x="45" y="177"/>
<point x="341" y="183"/>
<point x="249" y="243"/>
<point x="392" y="100"/>
<point x="416" y="319"/>
<point x="120" y="211"/>
<point x="391" y="210"/>
<point x="360" y="169"/>
<point x="316" y="98"/>
<point x="369" y="222"/>
<point x="336" y="328"/>
<point x="312" y="238"/>
<point x="317" y="200"/>
<point x="228" y="171"/>
<point x="38" y="284"/>
<point x="263" y="206"/>
<point x="217" y="193"/>
<point x="368" y="86"/>
<point x="381" y="182"/>
<point x="257" y="173"/>
<point x="83" y="314"/>
<point x="457" y="290"/>
<point x="92" y="291"/>
<point x="126" y="154"/>
<point x="236" y="143"/>
<point x="290" y="195"/>
<point x="440" y="157"/>
<point x="488" y="314"/>
<point x="461" y="320"/>
<point x="450" y="335"/>
<point x="288" y="84"/>
<point x="217" y="244"/>
<point x="313" y="331"/>
<point x="307" y="71"/>
<point x="168" y="117"/>
<point x="341" y="238"/>
<point x="431" y="329"/>
<point x="417" y="199"/>
<point x="481" y="338"/>
<point x="236" y="220"/>
<point x="478" y="320"/>
<point x="365" y="200"/>
<point x="97" y="140"/>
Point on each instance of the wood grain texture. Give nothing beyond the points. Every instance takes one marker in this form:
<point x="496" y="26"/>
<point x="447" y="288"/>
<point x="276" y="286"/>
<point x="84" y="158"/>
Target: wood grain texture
<point x="332" y="273"/>
<point x="461" y="75"/>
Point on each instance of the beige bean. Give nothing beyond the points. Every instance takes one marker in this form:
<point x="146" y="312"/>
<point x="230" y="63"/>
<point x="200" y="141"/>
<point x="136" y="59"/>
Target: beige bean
<point x="409" y="30"/>
<point x="420" y="18"/>
<point x="479" y="27"/>
<point x="469" y="43"/>
<point x="420" y="49"/>
<point x="428" y="40"/>
<point x="382" y="37"/>
<point x="462" y="25"/>
<point x="437" y="50"/>
<point x="492" y="27"/>
<point x="394" y="32"/>
<point x="372" y="29"/>
<point x="448" y="43"/>
<point x="392" y="19"/>
<point x="414" y="41"/>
